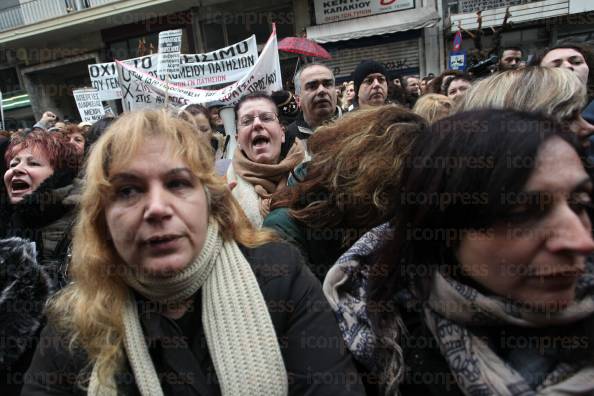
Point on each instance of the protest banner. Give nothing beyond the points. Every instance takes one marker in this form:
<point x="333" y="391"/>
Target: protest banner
<point x="170" y="42"/>
<point x="89" y="104"/>
<point x="225" y="65"/>
<point x="104" y="78"/>
<point x="142" y="90"/>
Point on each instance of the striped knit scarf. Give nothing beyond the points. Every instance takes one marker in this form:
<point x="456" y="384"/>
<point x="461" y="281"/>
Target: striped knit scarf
<point x="238" y="328"/>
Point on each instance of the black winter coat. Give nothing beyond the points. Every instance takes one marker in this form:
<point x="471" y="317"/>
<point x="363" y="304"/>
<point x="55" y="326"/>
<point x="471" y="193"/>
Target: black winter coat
<point x="316" y="359"/>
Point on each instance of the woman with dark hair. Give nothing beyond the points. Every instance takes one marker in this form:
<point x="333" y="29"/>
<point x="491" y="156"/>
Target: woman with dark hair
<point x="577" y="57"/>
<point x="480" y="284"/>
<point x="263" y="159"/>
<point x="456" y="87"/>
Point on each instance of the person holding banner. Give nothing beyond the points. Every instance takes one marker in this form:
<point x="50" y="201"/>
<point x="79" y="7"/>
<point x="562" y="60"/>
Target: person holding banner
<point x="258" y="167"/>
<point x="174" y="292"/>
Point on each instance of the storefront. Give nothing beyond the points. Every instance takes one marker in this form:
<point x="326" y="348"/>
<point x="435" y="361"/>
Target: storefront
<point x="396" y="33"/>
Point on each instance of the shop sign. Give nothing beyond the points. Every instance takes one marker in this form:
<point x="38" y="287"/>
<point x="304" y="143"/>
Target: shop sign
<point x="328" y="11"/>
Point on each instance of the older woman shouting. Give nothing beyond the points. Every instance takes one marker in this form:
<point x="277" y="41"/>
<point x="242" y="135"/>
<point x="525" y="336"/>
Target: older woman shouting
<point x="261" y="163"/>
<point x="174" y="292"/>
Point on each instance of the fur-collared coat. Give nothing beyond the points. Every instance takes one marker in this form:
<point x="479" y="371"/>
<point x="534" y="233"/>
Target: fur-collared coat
<point x="33" y="262"/>
<point x="24" y="288"/>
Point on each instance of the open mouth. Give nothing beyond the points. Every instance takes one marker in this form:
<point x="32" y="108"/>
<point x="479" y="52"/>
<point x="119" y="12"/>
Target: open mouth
<point x="260" y="141"/>
<point x="19" y="186"/>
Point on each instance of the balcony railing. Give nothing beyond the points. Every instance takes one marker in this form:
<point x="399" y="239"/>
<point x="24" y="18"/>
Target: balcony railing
<point x="529" y="10"/>
<point x="33" y="11"/>
<point x="465" y="6"/>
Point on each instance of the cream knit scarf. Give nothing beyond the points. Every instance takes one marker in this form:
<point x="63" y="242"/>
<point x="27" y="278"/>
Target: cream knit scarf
<point x="238" y="328"/>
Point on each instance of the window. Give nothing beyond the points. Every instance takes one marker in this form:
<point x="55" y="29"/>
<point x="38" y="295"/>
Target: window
<point x="9" y="81"/>
<point x="221" y="28"/>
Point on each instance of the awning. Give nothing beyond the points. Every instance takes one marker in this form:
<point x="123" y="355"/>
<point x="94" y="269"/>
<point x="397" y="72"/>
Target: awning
<point x="374" y="25"/>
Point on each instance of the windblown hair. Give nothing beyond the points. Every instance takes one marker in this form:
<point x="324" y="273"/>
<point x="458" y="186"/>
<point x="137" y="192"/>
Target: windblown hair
<point x="354" y="172"/>
<point x="89" y="310"/>
<point x="555" y="92"/>
<point x="433" y="107"/>
<point x="60" y="154"/>
<point x="428" y="225"/>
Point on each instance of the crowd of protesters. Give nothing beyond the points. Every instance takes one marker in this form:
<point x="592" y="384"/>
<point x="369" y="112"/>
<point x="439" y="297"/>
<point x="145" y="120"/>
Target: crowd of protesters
<point x="391" y="235"/>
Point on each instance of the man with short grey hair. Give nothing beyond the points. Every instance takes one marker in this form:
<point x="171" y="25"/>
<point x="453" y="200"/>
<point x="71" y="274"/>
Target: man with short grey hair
<point x="316" y="96"/>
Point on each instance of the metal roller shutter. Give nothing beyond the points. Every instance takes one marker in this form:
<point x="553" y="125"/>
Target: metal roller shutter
<point x="399" y="57"/>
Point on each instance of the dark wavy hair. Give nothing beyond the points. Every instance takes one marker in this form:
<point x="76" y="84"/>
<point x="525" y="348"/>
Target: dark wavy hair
<point x="479" y="155"/>
<point x="587" y="52"/>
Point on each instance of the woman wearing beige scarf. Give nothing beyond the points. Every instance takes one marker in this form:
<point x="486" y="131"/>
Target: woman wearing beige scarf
<point x="173" y="290"/>
<point x="258" y="169"/>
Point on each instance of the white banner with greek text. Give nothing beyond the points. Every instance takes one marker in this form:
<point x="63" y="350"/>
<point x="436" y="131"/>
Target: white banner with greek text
<point x="89" y="104"/>
<point x="142" y="90"/>
<point x="170" y="42"/>
<point x="222" y="66"/>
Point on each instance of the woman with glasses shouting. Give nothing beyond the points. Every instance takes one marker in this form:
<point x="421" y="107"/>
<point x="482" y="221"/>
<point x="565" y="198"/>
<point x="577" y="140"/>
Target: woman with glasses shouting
<point x="258" y="168"/>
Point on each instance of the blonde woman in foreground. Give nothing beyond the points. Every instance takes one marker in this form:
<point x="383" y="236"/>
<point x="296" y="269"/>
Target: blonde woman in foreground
<point x="174" y="292"/>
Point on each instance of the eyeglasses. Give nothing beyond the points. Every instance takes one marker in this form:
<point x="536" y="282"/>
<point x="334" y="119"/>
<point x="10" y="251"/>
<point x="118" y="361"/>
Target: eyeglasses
<point x="369" y="80"/>
<point x="264" y="117"/>
<point x="313" y="85"/>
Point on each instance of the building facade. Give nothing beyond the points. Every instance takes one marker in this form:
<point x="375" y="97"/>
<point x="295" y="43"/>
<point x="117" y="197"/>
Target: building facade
<point x="405" y="35"/>
<point x="46" y="45"/>
<point x="535" y="24"/>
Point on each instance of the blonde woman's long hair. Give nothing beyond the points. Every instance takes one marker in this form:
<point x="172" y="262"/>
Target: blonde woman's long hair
<point x="555" y="92"/>
<point x="88" y="311"/>
<point x="433" y="107"/>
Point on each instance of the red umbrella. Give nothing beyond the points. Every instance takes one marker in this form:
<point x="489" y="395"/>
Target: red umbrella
<point x="303" y="46"/>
